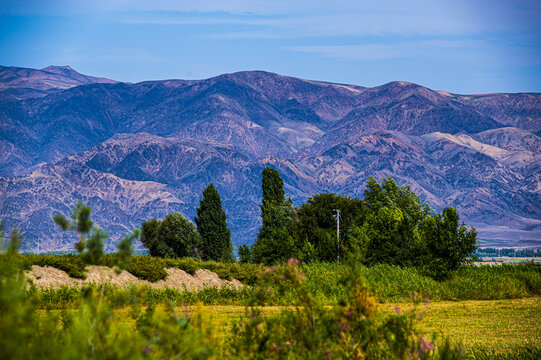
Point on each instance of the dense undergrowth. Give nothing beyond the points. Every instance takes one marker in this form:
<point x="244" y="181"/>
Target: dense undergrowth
<point x="390" y="283"/>
<point x="395" y="284"/>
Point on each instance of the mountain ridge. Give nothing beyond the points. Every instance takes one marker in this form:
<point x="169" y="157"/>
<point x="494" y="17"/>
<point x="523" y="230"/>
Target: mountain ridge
<point x="157" y="144"/>
<point x="23" y="83"/>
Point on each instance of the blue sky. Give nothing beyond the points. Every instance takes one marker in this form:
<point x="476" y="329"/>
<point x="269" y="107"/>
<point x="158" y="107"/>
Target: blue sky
<point x="462" y="46"/>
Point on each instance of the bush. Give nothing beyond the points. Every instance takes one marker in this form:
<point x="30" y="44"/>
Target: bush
<point x="147" y="268"/>
<point x="190" y="265"/>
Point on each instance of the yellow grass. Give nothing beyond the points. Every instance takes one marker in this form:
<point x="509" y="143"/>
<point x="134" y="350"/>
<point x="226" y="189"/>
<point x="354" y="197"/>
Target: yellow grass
<point x="494" y="324"/>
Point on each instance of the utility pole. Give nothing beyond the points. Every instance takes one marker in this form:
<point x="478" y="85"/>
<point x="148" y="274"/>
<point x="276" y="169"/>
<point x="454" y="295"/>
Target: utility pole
<point x="337" y="217"/>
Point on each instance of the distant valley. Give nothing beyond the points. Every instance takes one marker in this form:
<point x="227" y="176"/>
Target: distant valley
<point x="135" y="151"/>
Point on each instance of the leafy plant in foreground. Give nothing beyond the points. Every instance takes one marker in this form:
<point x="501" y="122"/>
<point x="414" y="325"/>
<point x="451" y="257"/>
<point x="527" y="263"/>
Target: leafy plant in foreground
<point x="90" y="244"/>
<point x="352" y="329"/>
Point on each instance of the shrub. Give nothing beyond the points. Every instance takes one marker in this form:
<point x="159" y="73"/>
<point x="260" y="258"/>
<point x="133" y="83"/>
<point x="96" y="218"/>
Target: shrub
<point x="245" y="273"/>
<point x="147" y="268"/>
<point x="190" y="265"/>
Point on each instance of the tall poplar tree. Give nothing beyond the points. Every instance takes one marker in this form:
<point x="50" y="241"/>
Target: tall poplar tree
<point x="211" y="224"/>
<point x="274" y="242"/>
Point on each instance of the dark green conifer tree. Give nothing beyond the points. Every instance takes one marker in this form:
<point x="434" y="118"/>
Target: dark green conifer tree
<point x="211" y="223"/>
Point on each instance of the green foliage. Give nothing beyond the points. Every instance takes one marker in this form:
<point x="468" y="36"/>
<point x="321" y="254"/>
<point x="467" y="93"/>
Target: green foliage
<point x="352" y="329"/>
<point x="149" y="235"/>
<point x="272" y="186"/>
<point x="276" y="246"/>
<point x="245" y="254"/>
<point x="528" y="352"/>
<point x="147" y="268"/>
<point x="190" y="265"/>
<point x="125" y="249"/>
<point x="211" y="224"/>
<point x="392" y="283"/>
<point x="274" y="242"/>
<point x="245" y="273"/>
<point x="495" y="282"/>
<point x="172" y="237"/>
<point x="389" y="226"/>
<point x="394" y="214"/>
<point x="314" y="228"/>
<point x="90" y="245"/>
<point x="448" y="242"/>
<point x="95" y="330"/>
<point x="124" y="323"/>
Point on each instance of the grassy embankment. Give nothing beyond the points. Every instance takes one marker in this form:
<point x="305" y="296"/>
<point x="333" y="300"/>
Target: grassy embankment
<point x="389" y="283"/>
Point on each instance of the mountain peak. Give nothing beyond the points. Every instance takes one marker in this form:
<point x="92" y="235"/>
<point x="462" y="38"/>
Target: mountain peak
<point x="25" y="83"/>
<point x="55" y="67"/>
<point x="60" y="70"/>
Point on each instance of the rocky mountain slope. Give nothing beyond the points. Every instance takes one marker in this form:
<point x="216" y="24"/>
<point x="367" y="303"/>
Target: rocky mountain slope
<point x="133" y="151"/>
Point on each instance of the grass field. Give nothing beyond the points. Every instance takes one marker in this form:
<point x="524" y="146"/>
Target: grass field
<point x="500" y="325"/>
<point x="495" y="260"/>
<point x="494" y="325"/>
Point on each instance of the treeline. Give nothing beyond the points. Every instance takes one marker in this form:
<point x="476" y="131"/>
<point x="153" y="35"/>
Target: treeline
<point x="388" y="225"/>
<point x="495" y="252"/>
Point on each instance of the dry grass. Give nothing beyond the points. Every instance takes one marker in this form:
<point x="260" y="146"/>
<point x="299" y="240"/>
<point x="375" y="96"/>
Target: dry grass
<point x="176" y="279"/>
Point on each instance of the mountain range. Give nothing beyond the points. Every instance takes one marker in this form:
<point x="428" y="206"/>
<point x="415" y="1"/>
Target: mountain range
<point x="135" y="151"/>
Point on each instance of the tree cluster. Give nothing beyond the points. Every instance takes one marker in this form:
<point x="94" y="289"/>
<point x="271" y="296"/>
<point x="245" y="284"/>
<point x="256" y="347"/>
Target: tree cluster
<point x="175" y="236"/>
<point x="389" y="225"/>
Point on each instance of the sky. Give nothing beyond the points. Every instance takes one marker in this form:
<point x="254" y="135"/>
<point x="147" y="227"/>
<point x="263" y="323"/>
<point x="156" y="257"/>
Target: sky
<point x="461" y="46"/>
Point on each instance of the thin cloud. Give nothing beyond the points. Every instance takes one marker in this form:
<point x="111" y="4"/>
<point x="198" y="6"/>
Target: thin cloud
<point x="243" y="35"/>
<point x="384" y="51"/>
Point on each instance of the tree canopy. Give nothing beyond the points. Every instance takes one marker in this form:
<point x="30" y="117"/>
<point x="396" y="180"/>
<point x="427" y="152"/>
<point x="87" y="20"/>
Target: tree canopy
<point x="172" y="237"/>
<point x="315" y="226"/>
<point x="389" y="225"/>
